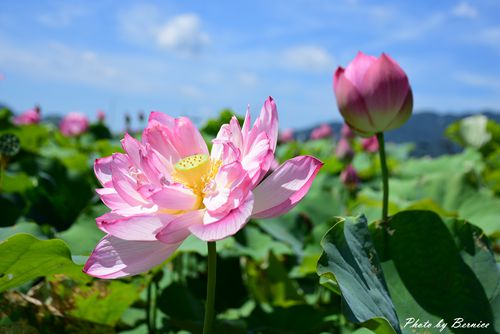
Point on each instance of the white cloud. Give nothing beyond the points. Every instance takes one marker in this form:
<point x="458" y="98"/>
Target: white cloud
<point x="488" y="36"/>
<point x="464" y="9"/>
<point x="248" y="79"/>
<point x="57" y="61"/>
<point x="146" y="24"/>
<point x="190" y="91"/>
<point x="479" y="80"/>
<point x="61" y="17"/>
<point x="139" y="23"/>
<point x="183" y="34"/>
<point x="308" y="58"/>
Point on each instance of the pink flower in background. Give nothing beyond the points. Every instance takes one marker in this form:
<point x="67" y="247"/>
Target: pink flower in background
<point x="373" y="94"/>
<point x="346" y="132"/>
<point x="169" y="186"/>
<point x="286" y="136"/>
<point x="370" y="144"/>
<point x="74" y="124"/>
<point x="344" y="149"/>
<point x="349" y="177"/>
<point x="30" y="116"/>
<point x="101" y="116"/>
<point x="323" y="131"/>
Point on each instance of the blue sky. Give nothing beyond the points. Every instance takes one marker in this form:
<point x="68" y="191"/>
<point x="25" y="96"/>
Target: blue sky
<point x="196" y="57"/>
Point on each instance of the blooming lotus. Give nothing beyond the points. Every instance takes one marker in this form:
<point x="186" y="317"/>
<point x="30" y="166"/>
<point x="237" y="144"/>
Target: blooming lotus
<point x="74" y="124"/>
<point x="370" y="144"/>
<point x="286" y="136"/>
<point x="322" y="131"/>
<point x="344" y="149"/>
<point x="346" y="132"/>
<point x="373" y="94"/>
<point x="168" y="186"/>
<point x="31" y="116"/>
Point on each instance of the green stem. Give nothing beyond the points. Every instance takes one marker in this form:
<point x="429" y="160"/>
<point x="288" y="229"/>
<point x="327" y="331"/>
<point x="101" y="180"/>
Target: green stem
<point x="209" y="305"/>
<point x="148" y="309"/>
<point x="153" y="308"/>
<point x="385" y="176"/>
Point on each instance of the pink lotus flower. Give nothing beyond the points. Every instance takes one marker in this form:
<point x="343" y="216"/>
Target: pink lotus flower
<point x="373" y="94"/>
<point x="30" y="116"/>
<point x="101" y="116"/>
<point x="286" y="136"/>
<point x="370" y="144"/>
<point x="344" y="149"/>
<point x="323" y="131"/>
<point x="169" y="186"/>
<point x="349" y="177"/>
<point x="346" y="132"/>
<point x="74" y="124"/>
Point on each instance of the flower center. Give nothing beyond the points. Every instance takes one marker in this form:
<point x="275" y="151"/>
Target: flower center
<point x="195" y="172"/>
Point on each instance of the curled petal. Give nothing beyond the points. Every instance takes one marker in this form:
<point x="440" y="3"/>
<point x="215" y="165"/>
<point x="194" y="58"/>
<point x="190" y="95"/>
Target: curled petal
<point x="156" y="135"/>
<point x="142" y="227"/>
<point x="111" y="199"/>
<point x="114" y="257"/>
<point x="102" y="170"/>
<point x="216" y="228"/>
<point x="285" y="187"/>
<point x="178" y="229"/>
<point x="188" y="139"/>
<point x="174" y="197"/>
<point x="126" y="186"/>
<point x="132" y="147"/>
<point x="162" y="118"/>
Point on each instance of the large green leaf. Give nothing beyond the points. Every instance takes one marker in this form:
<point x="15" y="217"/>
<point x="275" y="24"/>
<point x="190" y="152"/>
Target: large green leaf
<point x="84" y="235"/>
<point x="24" y="258"/>
<point x="432" y="270"/>
<point x="350" y="262"/>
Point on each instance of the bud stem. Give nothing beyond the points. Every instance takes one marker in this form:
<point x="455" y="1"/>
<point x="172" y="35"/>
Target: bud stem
<point x="385" y="176"/>
<point x="209" y="304"/>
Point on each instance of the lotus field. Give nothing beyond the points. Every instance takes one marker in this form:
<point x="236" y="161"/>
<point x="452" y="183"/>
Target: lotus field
<point x="238" y="227"/>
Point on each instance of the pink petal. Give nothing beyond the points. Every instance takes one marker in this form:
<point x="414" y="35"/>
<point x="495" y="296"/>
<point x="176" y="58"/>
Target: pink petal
<point x="178" y="229"/>
<point x="404" y="114"/>
<point x="229" y="189"/>
<point x="188" y="139"/>
<point x="155" y="171"/>
<point x="217" y="228"/>
<point x="157" y="135"/>
<point x="356" y="70"/>
<point x="163" y="118"/>
<point x="102" y="170"/>
<point x="126" y="188"/>
<point x="351" y="104"/>
<point x="173" y="197"/>
<point x="114" y="257"/>
<point x="111" y="199"/>
<point x="385" y="88"/>
<point x="285" y="187"/>
<point x="132" y="147"/>
<point x="139" y="227"/>
<point x="268" y="121"/>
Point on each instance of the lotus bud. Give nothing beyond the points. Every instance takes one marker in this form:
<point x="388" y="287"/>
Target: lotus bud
<point x="344" y="149"/>
<point x="373" y="94"/>
<point x="349" y="177"/>
<point x="370" y="144"/>
<point x="323" y="131"/>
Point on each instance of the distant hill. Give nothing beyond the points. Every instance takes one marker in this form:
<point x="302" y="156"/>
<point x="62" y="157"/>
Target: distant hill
<point x="425" y="129"/>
